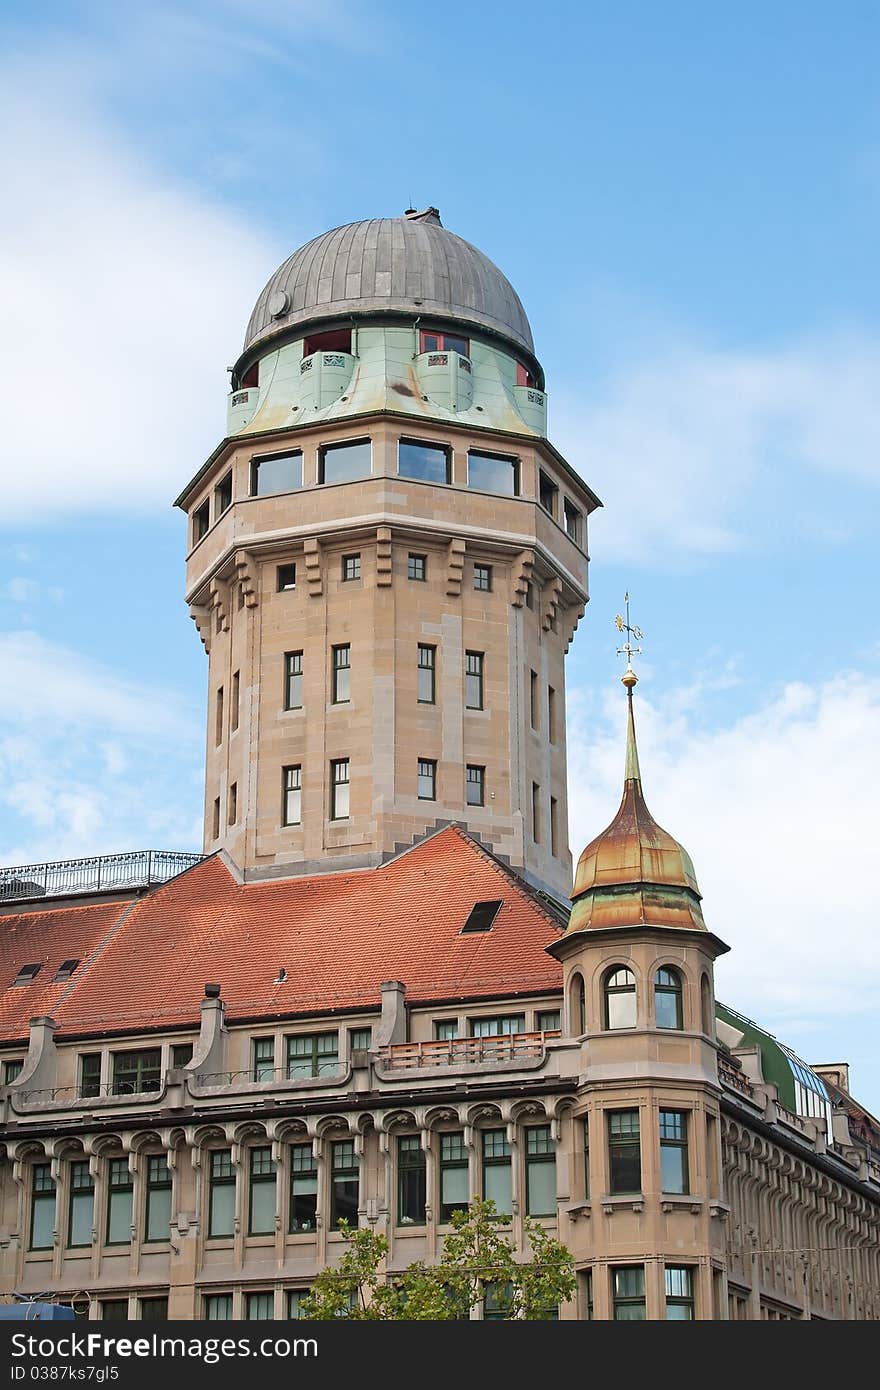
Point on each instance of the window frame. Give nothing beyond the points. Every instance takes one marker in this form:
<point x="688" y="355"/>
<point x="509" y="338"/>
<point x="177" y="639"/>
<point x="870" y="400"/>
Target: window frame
<point x="314" y="1053"/>
<point x="426" y="774"/>
<point x="478" y="781"/>
<point x="302" y="1174"/>
<point x="351" y="568"/>
<point x="141" y="1068"/>
<point x="337" y="783"/>
<point x="686" y="1301"/>
<point x="417" y="567"/>
<point x="452" y="1163"/>
<point x="622" y="1145"/>
<point x="431" y="446"/>
<point x="336" y="447"/>
<point x="609" y="990"/>
<point x="258" y="1063"/>
<point x="340" y="673"/>
<point x="491" y="1161"/>
<point x="76" y="1190"/>
<point x="634" y="1299"/>
<point x="92" y="1083"/>
<point x="201" y="522"/>
<point x="117" y="1188"/>
<point x="223" y="495"/>
<point x="429" y="665"/>
<point x="257" y="460"/>
<point x="282" y="585"/>
<point x="288" y="790"/>
<point x="341" y="1177"/>
<point x="537" y="1159"/>
<point x="42" y="1197"/>
<point x="412" y="1170"/>
<point x="474" y="679"/>
<point x="673" y="1129"/>
<point x="512" y="460"/>
<point x="219" y="1181"/>
<point x="675" y="991"/>
<point x="294" y="670"/>
<point x="259" y="1179"/>
<point x="483" y="578"/>
<point x="159" y="1179"/>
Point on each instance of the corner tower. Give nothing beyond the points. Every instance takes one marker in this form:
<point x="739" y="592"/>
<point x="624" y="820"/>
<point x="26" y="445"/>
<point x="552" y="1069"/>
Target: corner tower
<point x="387" y="561"/>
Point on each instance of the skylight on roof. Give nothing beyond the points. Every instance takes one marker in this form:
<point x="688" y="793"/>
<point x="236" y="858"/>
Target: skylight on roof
<point x="65" y="969"/>
<point x="28" y="973"/>
<point x="482" y="915"/>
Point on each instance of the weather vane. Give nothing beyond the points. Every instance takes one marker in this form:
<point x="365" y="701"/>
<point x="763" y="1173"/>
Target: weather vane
<point x="633" y="634"/>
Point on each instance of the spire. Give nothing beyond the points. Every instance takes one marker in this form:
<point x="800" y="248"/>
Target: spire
<point x="632" y="772"/>
<point x="629" y="679"/>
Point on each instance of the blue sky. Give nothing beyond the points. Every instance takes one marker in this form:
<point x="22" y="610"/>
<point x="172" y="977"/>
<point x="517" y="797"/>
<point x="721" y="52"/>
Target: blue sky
<point x="686" y="198"/>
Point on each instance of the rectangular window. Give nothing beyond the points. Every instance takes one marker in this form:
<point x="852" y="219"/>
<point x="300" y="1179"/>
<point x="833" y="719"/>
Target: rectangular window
<point x="587" y="1294"/>
<point x="427" y="779"/>
<point x="114" y="1310"/>
<point x="475" y="783"/>
<point x="295" y="1300"/>
<point x="573" y="522"/>
<point x="221" y="1199"/>
<point x="412" y="1179"/>
<point x="493" y="473"/>
<point x="291" y="794"/>
<point x="263" y="1059"/>
<point x="417" y="567"/>
<point x="218" y="1307"/>
<point x="628" y="1291"/>
<point x="157" y="1214"/>
<point x="483" y="578"/>
<point x="234" y="702"/>
<point x="42" y="1207"/>
<point x="312" y="1054"/>
<point x="540" y="1171"/>
<point x="81" y="1205"/>
<point x="536" y="813"/>
<point x="427" y="669"/>
<point x="445" y="1029"/>
<point x="428" y="463"/>
<point x="497" y="1184"/>
<point x="232" y="804"/>
<point x="351" y="567"/>
<point x="154" y="1309"/>
<point x="341" y="674"/>
<point x="344" y="1183"/>
<point x="429" y="341"/>
<point x="293" y="680"/>
<point x="340" y="463"/>
<point x="454" y="1180"/>
<point x="120" y="1190"/>
<point x="223" y="495"/>
<point x="201" y="522"/>
<point x="673" y="1151"/>
<point x="360" y="1039"/>
<point x="259" y="1307"/>
<point x="11" y="1070"/>
<point x="285" y="578"/>
<point x="89" y="1074"/>
<point x="303" y="1189"/>
<point x="473" y="679"/>
<point x="547" y="1021"/>
<point x="218" y="716"/>
<point x="534" y="714"/>
<point x="272" y="473"/>
<point x="551" y="714"/>
<point x="548" y="493"/>
<point x="215" y="818"/>
<point x="624" y="1151"/>
<point x="261" y="1203"/>
<point x="586" y="1158"/>
<point x="181" y="1054"/>
<point x="134" y="1072"/>
<point x="497" y="1302"/>
<point x="339" y="789"/>
<point x="504" y="1026"/>
<point x="554" y="827"/>
<point x="679" y="1293"/>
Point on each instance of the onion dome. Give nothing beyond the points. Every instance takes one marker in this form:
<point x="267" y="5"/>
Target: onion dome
<point x="634" y="874"/>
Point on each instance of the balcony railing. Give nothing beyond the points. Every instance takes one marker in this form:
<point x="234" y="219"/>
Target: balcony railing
<point x="462" y="1052"/>
<point x="737" y="1080"/>
<point x="102" y="874"/>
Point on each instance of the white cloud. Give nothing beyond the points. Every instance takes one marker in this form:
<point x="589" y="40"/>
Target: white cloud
<point x="680" y="445"/>
<point x="125" y="296"/>
<point x="778" y="810"/>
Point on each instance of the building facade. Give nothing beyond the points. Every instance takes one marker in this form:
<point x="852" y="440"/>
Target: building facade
<point x="377" y="993"/>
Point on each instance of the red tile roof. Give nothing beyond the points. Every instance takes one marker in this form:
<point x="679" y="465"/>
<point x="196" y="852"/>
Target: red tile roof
<point x="338" y="936"/>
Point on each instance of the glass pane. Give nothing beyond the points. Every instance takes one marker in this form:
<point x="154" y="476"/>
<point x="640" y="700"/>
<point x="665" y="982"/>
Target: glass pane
<point x="341" y="462"/>
<point x="427" y="462"/>
<point x="630" y="1312"/>
<point x="222" y="1209"/>
<point x="82" y="1207"/>
<point x="159" y="1213"/>
<point x="622" y="1010"/>
<point x="345" y="1201"/>
<point x="262" y="1221"/>
<point x="491" y="474"/>
<point x="43" y="1223"/>
<point x="295" y="1301"/>
<point x="667" y="1008"/>
<point x="542" y="1189"/>
<point x="260" y="1307"/>
<point x="626" y="1168"/>
<point x="154" y="1309"/>
<point x="497" y="1186"/>
<point x="679" y="1312"/>
<point x="218" y="1307"/>
<point x="672" y="1166"/>
<point x="340" y="801"/>
<point x="284" y="474"/>
<point x="453" y="1190"/>
<point x="303" y="1203"/>
<point x="119" y="1218"/>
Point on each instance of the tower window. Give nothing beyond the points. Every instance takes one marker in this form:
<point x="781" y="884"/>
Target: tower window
<point x="628" y="1285"/>
<point x="285" y="578"/>
<point x="293" y="680"/>
<point x="223" y="495"/>
<point x="483" y="577"/>
<point x="530" y="595"/>
<point x="417" y="567"/>
<point x="473" y="668"/>
<point x="620" y="999"/>
<point x="668" y="999"/>
<point x="573" y="522"/>
<point x="679" y="1293"/>
<point x="215" y="820"/>
<point x="624" y="1151"/>
<point x="428" y="463"/>
<point x="341" y="463"/>
<point x="236" y="692"/>
<point x="339" y="788"/>
<point x="351" y="567"/>
<point x="536" y="813"/>
<point x="673" y="1151"/>
<point x="341" y="674"/>
<point x="274" y="473"/>
<point x="201" y="522"/>
<point x="232" y="807"/>
<point x="554" y="827"/>
<point x="335" y="340"/>
<point x="427" y="779"/>
<point x="443" y="342"/>
<point x="534" y="713"/>
<point x="524" y="377"/>
<point x="291" y="795"/>
<point x="427" y="665"/>
<point x="548" y="493"/>
<point x="475" y="785"/>
<point x="551" y="714"/>
<point x="251" y="376"/>
<point x="493" y="473"/>
<point x="218" y="711"/>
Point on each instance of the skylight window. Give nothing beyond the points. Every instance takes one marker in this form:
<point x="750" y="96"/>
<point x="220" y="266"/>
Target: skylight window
<point x="482" y="915"/>
<point x="27" y="973"/>
<point x="65" y="969"/>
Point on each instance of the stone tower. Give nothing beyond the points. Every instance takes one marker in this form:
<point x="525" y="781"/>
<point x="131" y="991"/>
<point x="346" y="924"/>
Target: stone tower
<point x="387" y="561"/>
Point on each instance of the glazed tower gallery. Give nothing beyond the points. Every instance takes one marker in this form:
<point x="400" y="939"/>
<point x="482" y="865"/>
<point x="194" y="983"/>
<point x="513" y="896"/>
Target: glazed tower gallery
<point x="382" y="989"/>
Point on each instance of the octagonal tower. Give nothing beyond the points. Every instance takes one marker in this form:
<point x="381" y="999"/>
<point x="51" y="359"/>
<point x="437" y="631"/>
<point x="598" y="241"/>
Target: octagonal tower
<point x="387" y="562"/>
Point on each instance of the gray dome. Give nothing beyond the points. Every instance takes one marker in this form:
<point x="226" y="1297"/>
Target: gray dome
<point x="408" y="264"/>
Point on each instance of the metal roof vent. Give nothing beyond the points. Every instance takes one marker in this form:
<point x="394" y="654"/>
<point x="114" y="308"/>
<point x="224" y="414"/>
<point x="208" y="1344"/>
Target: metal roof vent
<point x="482" y="915"/>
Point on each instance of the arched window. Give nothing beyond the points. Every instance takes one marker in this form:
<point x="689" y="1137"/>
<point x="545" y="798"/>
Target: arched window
<point x="667" y="999"/>
<point x="620" y="999"/>
<point x="577" y="1005"/>
<point x="706" y="1019"/>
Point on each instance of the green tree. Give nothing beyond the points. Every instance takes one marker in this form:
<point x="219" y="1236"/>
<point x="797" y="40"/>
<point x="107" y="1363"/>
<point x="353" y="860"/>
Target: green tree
<point x="476" y="1257"/>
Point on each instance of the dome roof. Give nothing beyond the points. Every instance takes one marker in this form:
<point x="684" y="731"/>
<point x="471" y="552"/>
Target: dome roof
<point x="408" y="264"/>
<point x="635" y="873"/>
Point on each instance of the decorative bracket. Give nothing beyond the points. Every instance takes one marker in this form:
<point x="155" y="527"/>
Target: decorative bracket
<point x="314" y="571"/>
<point x="454" y="567"/>
<point x="219" y="592"/>
<point x="552" y="597"/>
<point x="201" y="616"/>
<point x="521" y="577"/>
<point x="383" y="557"/>
<point x="246" y="578"/>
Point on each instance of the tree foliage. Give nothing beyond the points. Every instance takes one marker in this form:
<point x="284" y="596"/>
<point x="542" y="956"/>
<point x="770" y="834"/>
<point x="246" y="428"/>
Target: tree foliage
<point x="477" y="1258"/>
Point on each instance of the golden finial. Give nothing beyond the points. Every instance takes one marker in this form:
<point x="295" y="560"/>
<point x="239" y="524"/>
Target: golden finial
<point x="629" y="677"/>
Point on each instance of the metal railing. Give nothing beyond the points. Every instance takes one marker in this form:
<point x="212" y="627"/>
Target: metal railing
<point x="68" y="1095"/>
<point x="101" y="874"/>
<point x="737" y="1080"/>
<point x="462" y="1052"/>
<point x="263" y="1076"/>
